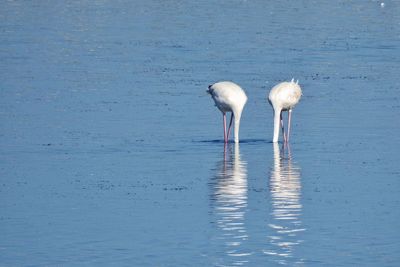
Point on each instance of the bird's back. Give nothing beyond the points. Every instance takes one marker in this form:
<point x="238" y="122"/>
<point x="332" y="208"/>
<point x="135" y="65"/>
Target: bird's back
<point x="285" y="95"/>
<point x="227" y="95"/>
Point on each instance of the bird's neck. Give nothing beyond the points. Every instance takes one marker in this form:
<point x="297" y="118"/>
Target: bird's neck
<point x="277" y="122"/>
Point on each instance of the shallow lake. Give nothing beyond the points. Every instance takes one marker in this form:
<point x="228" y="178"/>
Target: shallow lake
<point x="111" y="151"/>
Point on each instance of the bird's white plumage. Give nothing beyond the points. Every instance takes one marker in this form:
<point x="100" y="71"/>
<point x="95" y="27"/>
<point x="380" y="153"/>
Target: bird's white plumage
<point x="229" y="97"/>
<point x="283" y="97"/>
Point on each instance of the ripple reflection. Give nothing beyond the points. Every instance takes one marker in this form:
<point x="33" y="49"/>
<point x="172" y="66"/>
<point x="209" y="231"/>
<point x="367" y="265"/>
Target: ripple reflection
<point x="229" y="200"/>
<point x="285" y="224"/>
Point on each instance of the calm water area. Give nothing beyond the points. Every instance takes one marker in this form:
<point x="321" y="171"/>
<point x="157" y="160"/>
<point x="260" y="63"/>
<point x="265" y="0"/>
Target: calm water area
<point x="111" y="152"/>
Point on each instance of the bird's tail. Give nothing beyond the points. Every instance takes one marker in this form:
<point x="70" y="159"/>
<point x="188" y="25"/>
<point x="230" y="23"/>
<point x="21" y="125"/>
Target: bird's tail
<point x="210" y="90"/>
<point x="297" y="81"/>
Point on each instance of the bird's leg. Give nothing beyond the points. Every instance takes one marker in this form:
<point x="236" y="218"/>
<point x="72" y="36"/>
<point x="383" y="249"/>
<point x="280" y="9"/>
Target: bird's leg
<point x="289" y="121"/>
<point x="283" y="129"/>
<point x="230" y="126"/>
<point x="224" y="122"/>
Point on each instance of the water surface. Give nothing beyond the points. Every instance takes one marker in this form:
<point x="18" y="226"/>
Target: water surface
<point x="112" y="153"/>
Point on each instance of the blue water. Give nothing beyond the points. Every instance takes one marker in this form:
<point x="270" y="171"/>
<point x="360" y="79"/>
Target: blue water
<point x="111" y="152"/>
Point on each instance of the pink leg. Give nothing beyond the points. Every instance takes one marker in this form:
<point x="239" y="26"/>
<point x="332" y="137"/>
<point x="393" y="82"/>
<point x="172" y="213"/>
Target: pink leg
<point x="289" y="121"/>
<point x="224" y="122"/>
<point x="283" y="129"/>
<point x="230" y="126"/>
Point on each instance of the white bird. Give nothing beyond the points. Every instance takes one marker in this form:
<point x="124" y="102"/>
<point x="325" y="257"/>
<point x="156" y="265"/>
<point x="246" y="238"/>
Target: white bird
<point x="283" y="97"/>
<point x="229" y="97"/>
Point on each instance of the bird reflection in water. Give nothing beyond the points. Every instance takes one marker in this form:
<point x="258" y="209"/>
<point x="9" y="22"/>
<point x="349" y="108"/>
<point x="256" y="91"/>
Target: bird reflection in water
<point x="229" y="201"/>
<point x="285" y="224"/>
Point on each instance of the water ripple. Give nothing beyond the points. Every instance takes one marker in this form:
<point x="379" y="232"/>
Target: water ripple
<point x="285" y="188"/>
<point x="229" y="201"/>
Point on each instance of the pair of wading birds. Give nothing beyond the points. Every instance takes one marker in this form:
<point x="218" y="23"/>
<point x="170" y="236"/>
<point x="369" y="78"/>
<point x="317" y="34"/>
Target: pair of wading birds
<point x="230" y="97"/>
